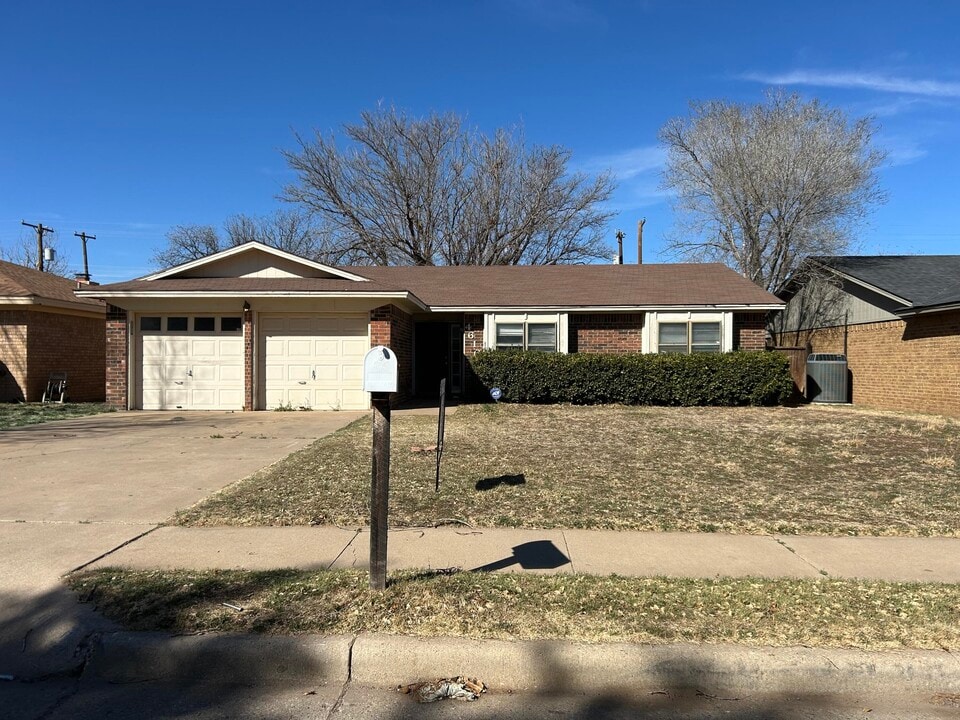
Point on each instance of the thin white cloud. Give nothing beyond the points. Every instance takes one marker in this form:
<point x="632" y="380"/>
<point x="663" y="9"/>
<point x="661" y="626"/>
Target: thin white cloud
<point x="628" y="164"/>
<point x="902" y="150"/>
<point x="859" y="80"/>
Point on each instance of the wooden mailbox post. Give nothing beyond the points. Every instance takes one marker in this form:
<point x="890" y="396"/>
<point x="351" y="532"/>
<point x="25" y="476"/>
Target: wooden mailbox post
<point x="379" y="379"/>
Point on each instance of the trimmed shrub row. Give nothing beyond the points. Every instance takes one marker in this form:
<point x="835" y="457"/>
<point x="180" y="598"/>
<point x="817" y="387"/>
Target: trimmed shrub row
<point x="736" y="378"/>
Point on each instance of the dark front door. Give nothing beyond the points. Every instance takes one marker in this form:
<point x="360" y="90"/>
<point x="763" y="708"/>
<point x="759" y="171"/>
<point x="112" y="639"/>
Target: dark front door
<point x="438" y="354"/>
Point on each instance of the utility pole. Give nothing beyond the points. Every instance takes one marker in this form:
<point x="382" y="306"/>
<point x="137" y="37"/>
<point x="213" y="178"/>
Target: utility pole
<point x="40" y="231"/>
<point x="83" y="238"/>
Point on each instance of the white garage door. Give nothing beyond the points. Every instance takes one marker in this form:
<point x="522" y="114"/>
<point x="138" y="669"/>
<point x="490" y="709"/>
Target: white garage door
<point x="313" y="362"/>
<point x="191" y="362"/>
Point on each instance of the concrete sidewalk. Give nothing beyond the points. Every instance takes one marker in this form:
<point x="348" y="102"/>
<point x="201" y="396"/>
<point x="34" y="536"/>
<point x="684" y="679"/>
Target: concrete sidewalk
<point x="703" y="555"/>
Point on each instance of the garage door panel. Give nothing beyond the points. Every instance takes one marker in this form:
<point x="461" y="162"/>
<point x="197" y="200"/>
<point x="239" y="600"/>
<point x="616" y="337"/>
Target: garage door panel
<point x="333" y="348"/>
<point x="183" y="371"/>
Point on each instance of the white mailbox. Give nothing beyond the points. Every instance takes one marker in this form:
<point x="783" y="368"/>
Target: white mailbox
<point x="380" y="370"/>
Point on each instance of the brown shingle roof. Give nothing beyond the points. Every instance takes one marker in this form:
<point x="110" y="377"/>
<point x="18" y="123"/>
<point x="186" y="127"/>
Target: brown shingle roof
<point x="22" y="282"/>
<point x="682" y="284"/>
<point x="506" y="286"/>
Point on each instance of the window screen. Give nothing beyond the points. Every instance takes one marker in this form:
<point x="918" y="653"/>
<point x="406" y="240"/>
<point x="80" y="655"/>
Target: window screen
<point x="509" y="335"/>
<point x="705" y="337"/>
<point x="673" y="338"/>
<point x="542" y="337"/>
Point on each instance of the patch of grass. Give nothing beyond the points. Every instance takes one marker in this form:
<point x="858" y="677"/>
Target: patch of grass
<point x="19" y="414"/>
<point x="808" y="470"/>
<point x="823" y="613"/>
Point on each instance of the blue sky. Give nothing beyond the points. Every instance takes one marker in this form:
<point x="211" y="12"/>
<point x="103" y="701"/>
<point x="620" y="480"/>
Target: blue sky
<point x="123" y="119"/>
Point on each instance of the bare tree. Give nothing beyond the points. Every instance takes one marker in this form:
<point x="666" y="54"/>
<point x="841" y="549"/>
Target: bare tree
<point x="761" y="187"/>
<point x="288" y="230"/>
<point x="23" y="251"/>
<point x="430" y="191"/>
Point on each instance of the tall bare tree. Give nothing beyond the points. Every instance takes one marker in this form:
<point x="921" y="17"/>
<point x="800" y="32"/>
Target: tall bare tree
<point x="431" y="191"/>
<point x="23" y="251"/>
<point x="760" y="187"/>
<point x="288" y="230"/>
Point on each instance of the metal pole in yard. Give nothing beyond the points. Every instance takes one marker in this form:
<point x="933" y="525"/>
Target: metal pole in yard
<point x="379" y="490"/>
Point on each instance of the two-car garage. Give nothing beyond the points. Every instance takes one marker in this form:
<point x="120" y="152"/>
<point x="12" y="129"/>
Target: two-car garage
<point x="196" y="362"/>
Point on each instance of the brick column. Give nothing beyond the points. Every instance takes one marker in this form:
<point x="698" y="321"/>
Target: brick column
<point x="749" y="331"/>
<point x="472" y="344"/>
<point x="117" y="361"/>
<point x="247" y="359"/>
<point x="392" y="327"/>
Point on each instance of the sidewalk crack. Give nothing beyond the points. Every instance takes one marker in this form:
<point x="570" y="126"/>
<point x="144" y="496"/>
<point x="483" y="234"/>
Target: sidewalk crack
<point x="566" y="546"/>
<point x="340" y="554"/>
<point x="783" y="544"/>
<point x="335" y="708"/>
<point x="110" y="552"/>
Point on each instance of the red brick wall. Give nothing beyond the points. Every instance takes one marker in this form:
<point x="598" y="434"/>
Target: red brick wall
<point x="116" y="358"/>
<point x="66" y="343"/>
<point x="13" y="355"/>
<point x="472" y="344"/>
<point x="911" y="365"/>
<point x="247" y="359"/>
<point x="749" y="331"/>
<point x="34" y="344"/>
<point x="605" y="333"/>
<point x="392" y="327"/>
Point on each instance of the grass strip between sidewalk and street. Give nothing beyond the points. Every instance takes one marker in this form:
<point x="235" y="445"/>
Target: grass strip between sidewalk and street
<point x="811" y="470"/>
<point x="820" y="613"/>
<point x="13" y="415"/>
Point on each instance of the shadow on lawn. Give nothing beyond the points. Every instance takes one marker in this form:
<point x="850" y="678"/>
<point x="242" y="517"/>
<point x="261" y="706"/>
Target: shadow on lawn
<point x="492" y="482"/>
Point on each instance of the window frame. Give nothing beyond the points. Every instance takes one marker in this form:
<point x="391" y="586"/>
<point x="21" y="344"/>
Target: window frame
<point x="724" y="321"/>
<point x="493" y="320"/>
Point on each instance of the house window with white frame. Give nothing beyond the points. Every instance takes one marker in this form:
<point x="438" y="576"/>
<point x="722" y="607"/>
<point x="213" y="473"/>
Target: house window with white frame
<point x="539" y="332"/>
<point x="689" y="337"/>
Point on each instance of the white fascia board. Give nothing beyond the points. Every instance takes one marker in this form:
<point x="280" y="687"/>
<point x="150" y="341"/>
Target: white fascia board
<point x="247" y="247"/>
<point x="910" y="312"/>
<point x="604" y="308"/>
<point x="47" y="302"/>
<point x="409" y="297"/>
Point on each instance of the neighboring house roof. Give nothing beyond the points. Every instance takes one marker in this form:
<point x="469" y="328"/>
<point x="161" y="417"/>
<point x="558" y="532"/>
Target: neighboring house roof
<point x="919" y="282"/>
<point x="247" y="271"/>
<point x="21" y="285"/>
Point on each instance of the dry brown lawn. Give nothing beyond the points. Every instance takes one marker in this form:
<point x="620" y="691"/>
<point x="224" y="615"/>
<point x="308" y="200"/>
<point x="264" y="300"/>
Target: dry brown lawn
<point x="819" y="613"/>
<point x="817" y="470"/>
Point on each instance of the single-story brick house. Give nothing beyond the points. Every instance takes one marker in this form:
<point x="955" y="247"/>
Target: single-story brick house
<point x="44" y="329"/>
<point x="254" y="327"/>
<point x="895" y="317"/>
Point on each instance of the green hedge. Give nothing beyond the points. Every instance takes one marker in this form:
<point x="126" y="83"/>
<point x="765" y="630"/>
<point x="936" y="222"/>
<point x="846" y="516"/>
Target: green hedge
<point x="737" y="378"/>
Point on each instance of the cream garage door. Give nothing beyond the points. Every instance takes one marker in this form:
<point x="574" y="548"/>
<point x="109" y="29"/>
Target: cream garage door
<point x="313" y="361"/>
<point x="190" y="363"/>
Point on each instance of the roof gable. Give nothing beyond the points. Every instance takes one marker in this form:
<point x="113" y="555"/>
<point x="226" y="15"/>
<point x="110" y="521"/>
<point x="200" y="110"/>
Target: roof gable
<point x="918" y="280"/>
<point x="254" y="260"/>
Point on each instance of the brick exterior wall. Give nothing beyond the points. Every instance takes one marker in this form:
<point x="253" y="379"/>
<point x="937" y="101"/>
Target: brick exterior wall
<point x="911" y="365"/>
<point x="35" y="343"/>
<point x="392" y="327"/>
<point x="117" y="392"/>
<point x="605" y="333"/>
<point x="472" y="344"/>
<point x="749" y="331"/>
<point x="248" y="340"/>
<point x="13" y="355"/>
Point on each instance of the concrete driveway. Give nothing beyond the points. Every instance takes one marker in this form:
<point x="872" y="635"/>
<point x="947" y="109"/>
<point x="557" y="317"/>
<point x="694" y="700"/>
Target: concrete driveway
<point x="73" y="490"/>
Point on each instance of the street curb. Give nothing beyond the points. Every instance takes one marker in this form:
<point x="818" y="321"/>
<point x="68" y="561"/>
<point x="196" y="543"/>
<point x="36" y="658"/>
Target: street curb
<point x="125" y="657"/>
<point x="545" y="666"/>
<point x="539" y="666"/>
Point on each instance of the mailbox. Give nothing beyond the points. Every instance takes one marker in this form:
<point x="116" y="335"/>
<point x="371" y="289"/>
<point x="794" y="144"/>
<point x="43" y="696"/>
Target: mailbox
<point x="380" y="370"/>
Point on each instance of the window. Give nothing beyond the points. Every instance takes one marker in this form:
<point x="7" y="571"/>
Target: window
<point x="176" y="324"/>
<point x="149" y="323"/>
<point x="204" y="324"/>
<point x="231" y="324"/>
<point x="689" y="337"/>
<point x="527" y="336"/>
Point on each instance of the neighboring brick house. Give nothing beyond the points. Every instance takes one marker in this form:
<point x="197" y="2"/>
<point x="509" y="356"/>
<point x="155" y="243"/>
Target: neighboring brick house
<point x="895" y="317"/>
<point x="45" y="328"/>
<point x="254" y="327"/>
